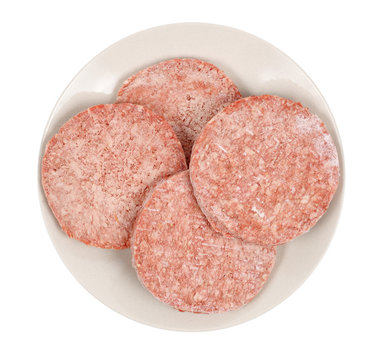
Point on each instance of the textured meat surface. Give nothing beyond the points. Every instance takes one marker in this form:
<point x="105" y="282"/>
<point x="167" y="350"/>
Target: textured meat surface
<point x="264" y="169"/>
<point x="98" y="168"/>
<point x="186" y="92"/>
<point x="186" y="264"/>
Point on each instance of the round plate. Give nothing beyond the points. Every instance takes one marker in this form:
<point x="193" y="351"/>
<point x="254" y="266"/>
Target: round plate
<point x="257" y="68"/>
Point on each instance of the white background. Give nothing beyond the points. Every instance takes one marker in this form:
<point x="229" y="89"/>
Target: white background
<point x="338" y="313"/>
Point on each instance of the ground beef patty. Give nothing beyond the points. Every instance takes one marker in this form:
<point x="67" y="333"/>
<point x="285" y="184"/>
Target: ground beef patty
<point x="187" y="92"/>
<point x="264" y="169"/>
<point x="98" y="168"/>
<point x="183" y="262"/>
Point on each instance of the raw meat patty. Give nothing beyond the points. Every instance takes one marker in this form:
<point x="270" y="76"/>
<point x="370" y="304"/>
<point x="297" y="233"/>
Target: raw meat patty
<point x="98" y="168"/>
<point x="183" y="262"/>
<point x="187" y="92"/>
<point x="264" y="169"/>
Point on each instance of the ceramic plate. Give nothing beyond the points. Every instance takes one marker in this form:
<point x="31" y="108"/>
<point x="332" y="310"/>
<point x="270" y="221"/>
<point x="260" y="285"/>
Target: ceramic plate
<point x="256" y="67"/>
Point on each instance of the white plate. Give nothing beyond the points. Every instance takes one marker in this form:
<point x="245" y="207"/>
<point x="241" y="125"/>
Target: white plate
<point x="257" y="68"/>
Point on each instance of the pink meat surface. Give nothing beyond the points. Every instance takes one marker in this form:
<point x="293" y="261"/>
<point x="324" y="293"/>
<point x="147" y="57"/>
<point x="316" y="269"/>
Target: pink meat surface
<point x="183" y="262"/>
<point x="186" y="92"/>
<point x="264" y="169"/>
<point x="98" y="168"/>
